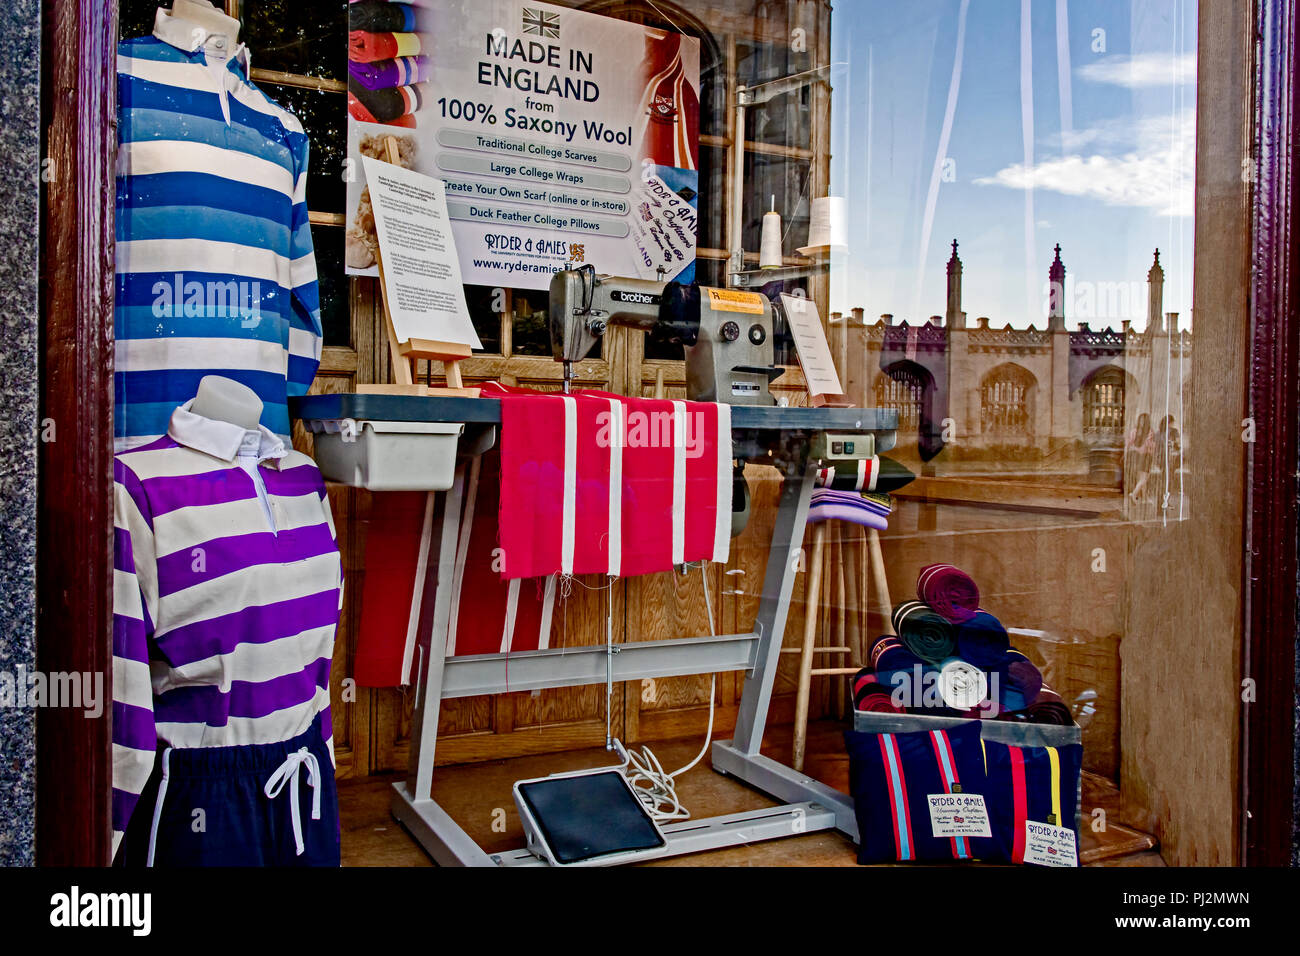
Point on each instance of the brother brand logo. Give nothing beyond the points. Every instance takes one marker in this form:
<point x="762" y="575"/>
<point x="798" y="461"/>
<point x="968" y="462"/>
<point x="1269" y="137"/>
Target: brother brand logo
<point x="77" y="909"/>
<point x="642" y="297"/>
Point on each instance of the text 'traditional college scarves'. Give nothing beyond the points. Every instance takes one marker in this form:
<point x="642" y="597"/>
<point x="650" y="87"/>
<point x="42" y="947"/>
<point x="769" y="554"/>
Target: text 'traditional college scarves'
<point x="595" y="483"/>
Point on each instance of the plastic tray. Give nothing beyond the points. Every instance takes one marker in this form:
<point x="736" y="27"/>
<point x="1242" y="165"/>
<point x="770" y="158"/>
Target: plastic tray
<point x="387" y="456"/>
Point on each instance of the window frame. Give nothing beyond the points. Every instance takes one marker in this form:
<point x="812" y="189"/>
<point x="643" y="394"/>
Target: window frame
<point x="75" y="584"/>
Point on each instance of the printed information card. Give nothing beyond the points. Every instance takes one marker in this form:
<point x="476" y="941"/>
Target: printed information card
<point x="805" y="324"/>
<point x="959" y="815"/>
<point x="421" y="271"/>
<point x="1047" y="845"/>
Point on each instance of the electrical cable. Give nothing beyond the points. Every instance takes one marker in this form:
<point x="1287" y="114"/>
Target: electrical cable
<point x="653" y="786"/>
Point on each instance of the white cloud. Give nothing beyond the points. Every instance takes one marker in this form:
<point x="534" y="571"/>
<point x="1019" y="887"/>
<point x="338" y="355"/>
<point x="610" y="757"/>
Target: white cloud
<point x="1146" y="163"/>
<point x="1129" y="132"/>
<point x="1142" y="70"/>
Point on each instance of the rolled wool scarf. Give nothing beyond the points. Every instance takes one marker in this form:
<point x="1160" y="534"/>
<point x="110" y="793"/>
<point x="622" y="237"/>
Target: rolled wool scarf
<point x="898" y="670"/>
<point x="926" y="633"/>
<point x="383" y="17"/>
<point x="1049" y="708"/>
<point x="357" y="110"/>
<point x="982" y="640"/>
<point x="366" y="47"/>
<point x="387" y="105"/>
<point x="386" y="74"/>
<point x="888" y="654"/>
<point x="949" y="590"/>
<point x="871" y="696"/>
<point x="1021" y="676"/>
<point x="962" y="685"/>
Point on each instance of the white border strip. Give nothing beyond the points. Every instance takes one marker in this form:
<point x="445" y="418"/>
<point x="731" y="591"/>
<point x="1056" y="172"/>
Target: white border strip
<point x="722" y="529"/>
<point x="679" y="482"/>
<point x="570" y="483"/>
<point x="512" y="610"/>
<point x="548" y="608"/>
<point x="417" y="592"/>
<point x="462" y="553"/>
<point x="616" y="439"/>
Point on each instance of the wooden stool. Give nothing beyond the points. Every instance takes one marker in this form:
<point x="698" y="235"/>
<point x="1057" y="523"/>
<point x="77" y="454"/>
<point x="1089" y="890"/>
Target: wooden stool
<point x="876" y="574"/>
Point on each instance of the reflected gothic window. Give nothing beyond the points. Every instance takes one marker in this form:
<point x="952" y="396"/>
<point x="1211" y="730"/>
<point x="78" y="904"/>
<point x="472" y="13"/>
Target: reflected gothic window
<point x="902" y="389"/>
<point x="1103" y="404"/>
<point x="1006" y="396"/>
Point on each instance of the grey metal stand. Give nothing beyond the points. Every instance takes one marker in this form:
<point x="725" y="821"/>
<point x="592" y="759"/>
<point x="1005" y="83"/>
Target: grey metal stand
<point x="808" y="805"/>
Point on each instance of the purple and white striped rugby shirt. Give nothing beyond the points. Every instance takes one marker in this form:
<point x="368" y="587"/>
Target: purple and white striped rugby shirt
<point x="223" y="615"/>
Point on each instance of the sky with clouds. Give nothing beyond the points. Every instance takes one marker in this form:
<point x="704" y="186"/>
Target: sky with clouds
<point x="1012" y="125"/>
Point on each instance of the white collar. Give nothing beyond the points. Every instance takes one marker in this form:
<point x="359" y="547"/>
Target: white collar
<point x="191" y="37"/>
<point x="220" y="439"/>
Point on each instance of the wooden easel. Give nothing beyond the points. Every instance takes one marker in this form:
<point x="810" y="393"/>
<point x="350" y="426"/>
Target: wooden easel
<point x="406" y="355"/>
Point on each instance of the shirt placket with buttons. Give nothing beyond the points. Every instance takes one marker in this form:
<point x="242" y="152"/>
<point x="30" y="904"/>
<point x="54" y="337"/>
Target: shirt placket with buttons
<point x="216" y="54"/>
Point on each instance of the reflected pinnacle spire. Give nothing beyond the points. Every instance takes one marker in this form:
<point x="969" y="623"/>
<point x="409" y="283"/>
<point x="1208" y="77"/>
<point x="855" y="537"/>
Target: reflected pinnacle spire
<point x="1157" y="271"/>
<point x="1056" y="294"/>
<point x="954" y="318"/>
<point x="1156" y="295"/>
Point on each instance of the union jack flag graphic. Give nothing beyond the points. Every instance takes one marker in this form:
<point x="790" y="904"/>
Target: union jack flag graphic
<point x="542" y="24"/>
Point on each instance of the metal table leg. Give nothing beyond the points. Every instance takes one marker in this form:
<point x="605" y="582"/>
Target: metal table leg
<point x="412" y="803"/>
<point x="740" y="756"/>
<point x="774" y="608"/>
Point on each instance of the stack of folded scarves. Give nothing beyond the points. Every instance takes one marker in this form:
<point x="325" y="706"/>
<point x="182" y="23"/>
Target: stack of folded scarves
<point x="387" y="65"/>
<point x="945" y="628"/>
<point x="869" y="510"/>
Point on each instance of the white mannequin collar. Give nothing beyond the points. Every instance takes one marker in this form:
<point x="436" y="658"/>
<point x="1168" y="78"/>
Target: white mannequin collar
<point x="220" y="439"/>
<point x="191" y="37"/>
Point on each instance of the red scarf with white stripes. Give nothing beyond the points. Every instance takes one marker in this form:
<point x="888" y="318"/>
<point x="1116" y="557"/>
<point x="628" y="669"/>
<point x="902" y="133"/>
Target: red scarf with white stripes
<point x="595" y="483"/>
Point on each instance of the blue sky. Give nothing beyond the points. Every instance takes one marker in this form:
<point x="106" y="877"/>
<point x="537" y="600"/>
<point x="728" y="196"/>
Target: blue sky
<point x="1079" y="130"/>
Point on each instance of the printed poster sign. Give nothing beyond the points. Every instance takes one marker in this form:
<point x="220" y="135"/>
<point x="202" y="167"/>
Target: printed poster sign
<point x="563" y="137"/>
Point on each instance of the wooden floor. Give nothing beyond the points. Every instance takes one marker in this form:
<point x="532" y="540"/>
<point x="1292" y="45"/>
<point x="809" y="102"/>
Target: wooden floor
<point x="478" y="797"/>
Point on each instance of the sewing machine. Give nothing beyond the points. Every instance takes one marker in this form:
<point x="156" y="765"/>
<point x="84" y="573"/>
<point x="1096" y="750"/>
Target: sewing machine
<point x="726" y="333"/>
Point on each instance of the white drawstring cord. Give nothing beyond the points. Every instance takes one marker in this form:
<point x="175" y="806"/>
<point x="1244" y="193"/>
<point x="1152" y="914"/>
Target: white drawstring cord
<point x="158" y="804"/>
<point x="289" y="771"/>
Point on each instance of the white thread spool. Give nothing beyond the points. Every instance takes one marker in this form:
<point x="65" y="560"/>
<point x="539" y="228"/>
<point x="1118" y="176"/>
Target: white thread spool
<point x="769" y="254"/>
<point x="827" y="227"/>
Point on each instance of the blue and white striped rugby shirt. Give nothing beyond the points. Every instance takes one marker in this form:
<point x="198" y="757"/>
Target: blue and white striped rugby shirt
<point x="225" y="603"/>
<point x="215" y="269"/>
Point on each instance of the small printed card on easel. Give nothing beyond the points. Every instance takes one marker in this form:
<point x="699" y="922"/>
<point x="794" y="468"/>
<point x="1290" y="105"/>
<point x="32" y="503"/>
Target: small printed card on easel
<point x="814" y="351"/>
<point x="425" y="312"/>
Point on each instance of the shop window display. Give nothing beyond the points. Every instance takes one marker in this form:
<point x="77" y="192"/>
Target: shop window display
<point x="570" y="476"/>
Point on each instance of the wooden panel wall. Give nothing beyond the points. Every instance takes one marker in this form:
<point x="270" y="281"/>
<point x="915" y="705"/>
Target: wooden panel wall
<point x="1183" y="609"/>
